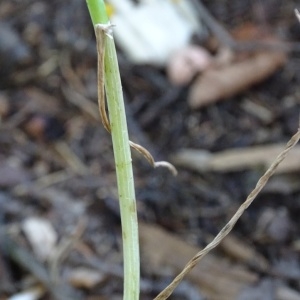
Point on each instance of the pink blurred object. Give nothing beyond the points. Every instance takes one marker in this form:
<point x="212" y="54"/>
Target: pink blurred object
<point x="185" y="63"/>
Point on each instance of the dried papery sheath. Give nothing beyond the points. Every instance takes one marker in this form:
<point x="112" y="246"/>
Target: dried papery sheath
<point x="101" y="36"/>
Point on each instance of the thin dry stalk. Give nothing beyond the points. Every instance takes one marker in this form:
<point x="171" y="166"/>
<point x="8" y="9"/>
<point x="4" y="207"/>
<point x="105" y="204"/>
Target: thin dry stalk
<point x="228" y="227"/>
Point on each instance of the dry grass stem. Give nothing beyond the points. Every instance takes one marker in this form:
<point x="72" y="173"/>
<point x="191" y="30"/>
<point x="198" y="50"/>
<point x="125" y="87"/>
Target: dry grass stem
<point x="228" y="227"/>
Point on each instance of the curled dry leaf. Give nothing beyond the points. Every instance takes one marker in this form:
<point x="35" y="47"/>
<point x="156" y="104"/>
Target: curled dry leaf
<point x="215" y="84"/>
<point x="185" y="63"/>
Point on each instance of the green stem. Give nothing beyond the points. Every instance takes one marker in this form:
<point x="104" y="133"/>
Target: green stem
<point x="122" y="155"/>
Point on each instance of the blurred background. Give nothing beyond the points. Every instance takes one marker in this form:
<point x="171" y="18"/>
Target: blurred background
<point x="211" y="86"/>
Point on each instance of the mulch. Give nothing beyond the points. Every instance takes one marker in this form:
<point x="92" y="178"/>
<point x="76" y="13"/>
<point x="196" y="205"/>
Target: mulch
<point x="56" y="159"/>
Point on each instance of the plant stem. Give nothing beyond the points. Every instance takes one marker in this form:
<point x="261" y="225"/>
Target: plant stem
<point x="122" y="156"/>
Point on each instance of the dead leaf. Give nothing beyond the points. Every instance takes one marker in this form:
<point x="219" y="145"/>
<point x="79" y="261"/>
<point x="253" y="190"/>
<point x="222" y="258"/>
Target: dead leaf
<point x="217" y="84"/>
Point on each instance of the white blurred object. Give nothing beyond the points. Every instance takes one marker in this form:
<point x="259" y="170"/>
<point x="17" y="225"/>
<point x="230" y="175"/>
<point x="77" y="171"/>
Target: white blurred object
<point x="30" y="294"/>
<point x="150" y="31"/>
<point x="41" y="235"/>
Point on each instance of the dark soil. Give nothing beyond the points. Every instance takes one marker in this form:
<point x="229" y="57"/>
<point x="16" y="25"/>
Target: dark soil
<point x="48" y="85"/>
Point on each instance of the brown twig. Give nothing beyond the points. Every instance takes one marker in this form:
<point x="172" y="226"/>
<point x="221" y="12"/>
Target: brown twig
<point x="228" y="227"/>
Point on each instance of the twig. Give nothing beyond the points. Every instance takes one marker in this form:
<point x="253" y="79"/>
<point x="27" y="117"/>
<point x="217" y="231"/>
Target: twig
<point x="228" y="227"/>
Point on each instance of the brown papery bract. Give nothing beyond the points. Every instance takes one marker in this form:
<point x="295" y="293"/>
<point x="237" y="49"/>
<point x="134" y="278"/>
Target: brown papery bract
<point x="218" y="84"/>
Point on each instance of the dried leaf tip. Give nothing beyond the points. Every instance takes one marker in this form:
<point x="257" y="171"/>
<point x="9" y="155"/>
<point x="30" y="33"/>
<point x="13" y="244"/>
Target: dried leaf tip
<point x="167" y="165"/>
<point x="150" y="159"/>
<point x="297" y="14"/>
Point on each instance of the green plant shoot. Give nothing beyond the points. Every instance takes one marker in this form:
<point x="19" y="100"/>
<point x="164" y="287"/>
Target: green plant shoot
<point x="108" y="73"/>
